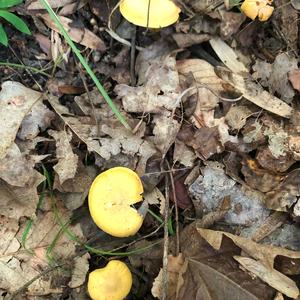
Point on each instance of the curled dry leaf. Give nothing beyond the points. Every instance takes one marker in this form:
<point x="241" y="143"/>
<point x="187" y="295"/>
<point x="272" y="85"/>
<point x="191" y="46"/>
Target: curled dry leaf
<point x="294" y="78"/>
<point x="17" y="169"/>
<point x="161" y="90"/>
<point x="81" y="267"/>
<point x="286" y="193"/>
<point x="255" y="93"/>
<point x="278" y="80"/>
<point x="165" y="131"/>
<point x="262" y="263"/>
<point x="15" y="102"/>
<point x="227" y="56"/>
<point x="53" y="3"/>
<point x="37" y="119"/>
<point x="82" y="36"/>
<point x="202" y="71"/>
<point x="176" y="266"/>
<point x="259" y="178"/>
<point x="67" y="160"/>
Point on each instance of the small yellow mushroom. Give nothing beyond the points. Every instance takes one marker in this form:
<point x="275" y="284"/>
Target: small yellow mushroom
<point x="260" y="8"/>
<point x="110" y="283"/>
<point x="150" y="13"/>
<point x="110" y="198"/>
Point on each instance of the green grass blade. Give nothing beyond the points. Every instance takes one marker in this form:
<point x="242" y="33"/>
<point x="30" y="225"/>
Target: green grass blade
<point x="9" y="3"/>
<point x="3" y="36"/>
<point x="19" y="66"/>
<point x="15" y="21"/>
<point x="85" y="64"/>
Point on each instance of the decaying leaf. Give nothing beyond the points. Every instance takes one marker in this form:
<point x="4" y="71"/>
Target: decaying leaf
<point x="294" y="78"/>
<point x="214" y="185"/>
<point x="19" y="267"/>
<point x="165" y="131"/>
<point x="254" y="93"/>
<point x="67" y="160"/>
<point x="161" y="89"/>
<point x="183" y="154"/>
<point x="202" y="71"/>
<point x="38" y="119"/>
<point x="53" y="3"/>
<point x="15" y="102"/>
<point x="78" y="35"/>
<point x="286" y="193"/>
<point x="278" y="81"/>
<point x="81" y="267"/>
<point x="176" y="266"/>
<point x="17" y="169"/>
<point x="237" y="116"/>
<point x="262" y="262"/>
<point x="228" y="56"/>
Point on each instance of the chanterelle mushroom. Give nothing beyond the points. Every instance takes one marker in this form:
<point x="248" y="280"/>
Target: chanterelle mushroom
<point x="110" y="198"/>
<point x="150" y="13"/>
<point x="110" y="283"/>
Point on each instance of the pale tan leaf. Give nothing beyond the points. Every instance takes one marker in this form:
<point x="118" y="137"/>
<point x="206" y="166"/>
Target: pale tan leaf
<point x="82" y="36"/>
<point x="15" y="102"/>
<point x="80" y="270"/>
<point x="53" y="3"/>
<point x="67" y="160"/>
<point x="272" y="277"/>
<point x="227" y="55"/>
<point x="255" y="93"/>
<point x="202" y="71"/>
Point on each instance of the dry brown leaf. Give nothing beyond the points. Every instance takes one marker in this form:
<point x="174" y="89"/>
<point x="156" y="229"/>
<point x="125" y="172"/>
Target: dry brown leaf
<point x="176" y="266"/>
<point x="19" y="267"/>
<point x="269" y="162"/>
<point x="53" y="3"/>
<point x="37" y="119"/>
<point x="67" y="160"/>
<point x="202" y="71"/>
<point x="72" y="7"/>
<point x="278" y="80"/>
<point x="82" y="36"/>
<point x="17" y="169"/>
<point x="286" y="193"/>
<point x="183" y="154"/>
<point x="17" y="202"/>
<point x="81" y="267"/>
<point x="118" y="140"/>
<point x="15" y="102"/>
<point x="215" y="275"/>
<point x="294" y="146"/>
<point x="165" y="131"/>
<point x="255" y="93"/>
<point x="272" y="277"/>
<point x="264" y="254"/>
<point x="294" y="78"/>
<point x="259" y="178"/>
<point x="161" y="90"/>
<point x="227" y="55"/>
<point x="184" y="40"/>
<point x="237" y="116"/>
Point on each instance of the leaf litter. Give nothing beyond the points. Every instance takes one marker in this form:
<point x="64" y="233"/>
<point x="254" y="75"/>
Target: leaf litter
<point x="215" y="137"/>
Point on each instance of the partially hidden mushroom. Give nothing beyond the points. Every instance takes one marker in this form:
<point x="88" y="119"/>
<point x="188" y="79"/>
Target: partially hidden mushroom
<point x="112" y="282"/>
<point x="260" y="8"/>
<point x="150" y="13"/>
<point x="110" y="199"/>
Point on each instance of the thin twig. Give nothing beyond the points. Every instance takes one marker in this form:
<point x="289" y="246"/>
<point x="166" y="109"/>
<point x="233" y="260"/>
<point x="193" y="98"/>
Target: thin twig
<point x="165" y="277"/>
<point x="176" y="210"/>
<point x="132" y="58"/>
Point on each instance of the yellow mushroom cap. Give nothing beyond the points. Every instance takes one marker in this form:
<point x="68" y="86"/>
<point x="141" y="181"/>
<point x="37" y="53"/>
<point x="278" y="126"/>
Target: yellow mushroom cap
<point x="260" y="8"/>
<point x="111" y="194"/>
<point x="162" y="13"/>
<point x="110" y="283"/>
